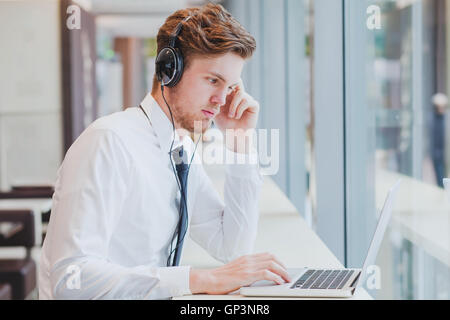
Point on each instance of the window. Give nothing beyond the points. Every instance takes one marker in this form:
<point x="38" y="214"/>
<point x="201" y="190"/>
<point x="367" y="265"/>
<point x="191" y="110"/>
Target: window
<point x="372" y="110"/>
<point x="395" y="116"/>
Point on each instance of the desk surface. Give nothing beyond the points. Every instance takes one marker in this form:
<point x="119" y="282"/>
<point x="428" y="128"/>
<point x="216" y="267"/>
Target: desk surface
<point x="281" y="231"/>
<point x="272" y="200"/>
<point x="421" y="213"/>
<point x="289" y="238"/>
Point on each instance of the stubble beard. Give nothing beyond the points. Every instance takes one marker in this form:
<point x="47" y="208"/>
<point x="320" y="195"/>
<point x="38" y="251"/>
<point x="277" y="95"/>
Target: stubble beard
<point x="189" y="121"/>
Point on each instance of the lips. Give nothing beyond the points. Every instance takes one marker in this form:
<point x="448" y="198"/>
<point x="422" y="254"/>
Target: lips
<point x="208" y="114"/>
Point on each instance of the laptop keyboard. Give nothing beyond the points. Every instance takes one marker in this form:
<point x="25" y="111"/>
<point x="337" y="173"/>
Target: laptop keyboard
<point x="323" y="279"/>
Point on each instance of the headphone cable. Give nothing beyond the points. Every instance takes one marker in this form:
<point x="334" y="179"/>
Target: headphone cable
<point x="182" y="189"/>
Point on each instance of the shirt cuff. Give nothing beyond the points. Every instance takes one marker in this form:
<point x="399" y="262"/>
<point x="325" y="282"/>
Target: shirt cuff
<point x="242" y="165"/>
<point x="176" y="280"/>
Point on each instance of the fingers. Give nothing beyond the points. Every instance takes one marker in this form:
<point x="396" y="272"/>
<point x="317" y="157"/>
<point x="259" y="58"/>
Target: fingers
<point x="241" y="102"/>
<point x="276" y="269"/>
<point x="241" y="108"/>
<point x="268" y="256"/>
<point x="234" y="103"/>
<point x="270" y="276"/>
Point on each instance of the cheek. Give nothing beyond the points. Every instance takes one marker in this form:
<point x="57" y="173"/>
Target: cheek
<point x="202" y="89"/>
<point x="201" y="95"/>
<point x="196" y="94"/>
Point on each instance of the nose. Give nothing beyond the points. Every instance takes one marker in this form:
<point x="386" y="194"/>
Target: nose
<point x="219" y="98"/>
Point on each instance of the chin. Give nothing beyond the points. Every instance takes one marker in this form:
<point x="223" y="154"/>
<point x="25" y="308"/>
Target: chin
<point x="201" y="125"/>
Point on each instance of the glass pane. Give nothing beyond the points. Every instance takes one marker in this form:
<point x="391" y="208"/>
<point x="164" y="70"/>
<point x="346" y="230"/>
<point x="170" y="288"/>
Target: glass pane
<point x="283" y="33"/>
<point x="396" y="117"/>
<point x="310" y="203"/>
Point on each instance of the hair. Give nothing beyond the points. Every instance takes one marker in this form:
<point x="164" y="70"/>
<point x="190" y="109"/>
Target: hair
<point x="210" y="31"/>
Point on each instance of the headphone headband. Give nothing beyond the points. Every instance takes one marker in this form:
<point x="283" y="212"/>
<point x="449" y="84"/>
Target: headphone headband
<point x="169" y="62"/>
<point x="173" y="38"/>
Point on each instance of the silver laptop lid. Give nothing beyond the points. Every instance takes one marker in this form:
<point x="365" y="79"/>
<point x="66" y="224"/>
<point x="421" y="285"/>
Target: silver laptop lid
<point x="382" y="224"/>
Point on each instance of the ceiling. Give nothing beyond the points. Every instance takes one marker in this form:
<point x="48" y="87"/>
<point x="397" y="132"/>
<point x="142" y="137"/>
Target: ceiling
<point x="138" y="7"/>
<point x="134" y="18"/>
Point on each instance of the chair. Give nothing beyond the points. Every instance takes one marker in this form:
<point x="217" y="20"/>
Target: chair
<point x="28" y="192"/>
<point x="18" y="231"/>
<point x="5" y="291"/>
<point x="31" y="192"/>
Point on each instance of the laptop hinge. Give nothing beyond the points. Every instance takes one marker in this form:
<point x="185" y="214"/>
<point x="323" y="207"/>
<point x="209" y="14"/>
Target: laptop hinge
<point x="356" y="279"/>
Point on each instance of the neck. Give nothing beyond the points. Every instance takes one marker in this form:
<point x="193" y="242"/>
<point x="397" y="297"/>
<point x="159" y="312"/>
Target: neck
<point x="162" y="104"/>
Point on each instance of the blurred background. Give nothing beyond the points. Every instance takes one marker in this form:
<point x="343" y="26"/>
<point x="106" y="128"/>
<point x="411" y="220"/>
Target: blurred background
<point x="359" y="102"/>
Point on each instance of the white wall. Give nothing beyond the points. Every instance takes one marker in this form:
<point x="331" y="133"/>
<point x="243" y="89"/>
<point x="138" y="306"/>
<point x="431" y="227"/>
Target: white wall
<point x="30" y="92"/>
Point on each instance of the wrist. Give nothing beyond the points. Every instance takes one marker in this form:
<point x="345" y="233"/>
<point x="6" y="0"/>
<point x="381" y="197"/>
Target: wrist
<point x="200" y="281"/>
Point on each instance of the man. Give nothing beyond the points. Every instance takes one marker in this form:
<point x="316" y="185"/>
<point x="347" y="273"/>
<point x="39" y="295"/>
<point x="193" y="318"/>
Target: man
<point x="116" y="207"/>
<point x="440" y="102"/>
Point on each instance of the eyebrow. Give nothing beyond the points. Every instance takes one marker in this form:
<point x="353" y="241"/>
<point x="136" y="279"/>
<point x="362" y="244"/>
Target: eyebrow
<point x="218" y="75"/>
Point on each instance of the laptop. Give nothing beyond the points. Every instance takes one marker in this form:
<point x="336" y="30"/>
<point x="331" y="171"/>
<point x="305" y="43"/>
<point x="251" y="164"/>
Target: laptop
<point x="308" y="282"/>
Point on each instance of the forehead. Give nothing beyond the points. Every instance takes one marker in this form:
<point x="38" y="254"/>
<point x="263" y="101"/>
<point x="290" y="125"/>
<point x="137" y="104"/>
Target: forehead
<point x="228" y="65"/>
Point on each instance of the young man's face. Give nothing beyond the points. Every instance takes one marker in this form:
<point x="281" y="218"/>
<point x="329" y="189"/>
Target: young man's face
<point x="203" y="89"/>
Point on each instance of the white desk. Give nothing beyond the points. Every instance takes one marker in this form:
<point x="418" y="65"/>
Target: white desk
<point x="421" y="213"/>
<point x="281" y="231"/>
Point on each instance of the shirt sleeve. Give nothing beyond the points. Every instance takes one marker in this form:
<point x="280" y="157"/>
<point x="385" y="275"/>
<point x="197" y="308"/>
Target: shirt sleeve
<point x="227" y="229"/>
<point x="90" y="192"/>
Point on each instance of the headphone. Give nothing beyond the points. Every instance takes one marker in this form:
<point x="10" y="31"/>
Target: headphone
<point x="169" y="61"/>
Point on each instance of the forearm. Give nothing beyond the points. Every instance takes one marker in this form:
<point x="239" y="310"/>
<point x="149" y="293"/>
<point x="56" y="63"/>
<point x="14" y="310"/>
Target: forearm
<point x="92" y="278"/>
<point x="240" y="218"/>
<point x="226" y="228"/>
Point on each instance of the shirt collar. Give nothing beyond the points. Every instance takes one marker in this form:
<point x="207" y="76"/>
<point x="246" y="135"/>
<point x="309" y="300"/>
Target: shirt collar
<point x="161" y="124"/>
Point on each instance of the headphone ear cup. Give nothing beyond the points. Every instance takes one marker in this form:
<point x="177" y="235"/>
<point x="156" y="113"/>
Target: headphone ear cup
<point x="169" y="66"/>
<point x="179" y="67"/>
<point x="165" y="65"/>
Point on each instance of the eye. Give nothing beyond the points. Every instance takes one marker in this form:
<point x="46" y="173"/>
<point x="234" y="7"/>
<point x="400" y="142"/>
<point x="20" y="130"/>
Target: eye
<point x="212" y="80"/>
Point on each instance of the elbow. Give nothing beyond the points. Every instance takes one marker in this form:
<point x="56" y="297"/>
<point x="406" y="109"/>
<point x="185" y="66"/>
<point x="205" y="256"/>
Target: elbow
<point x="67" y="285"/>
<point x="63" y="289"/>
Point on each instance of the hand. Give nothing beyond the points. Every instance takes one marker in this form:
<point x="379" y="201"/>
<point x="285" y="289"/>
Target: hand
<point x="240" y="111"/>
<point x="241" y="272"/>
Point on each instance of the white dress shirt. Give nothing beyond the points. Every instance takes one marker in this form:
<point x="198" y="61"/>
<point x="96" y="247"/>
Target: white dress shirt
<point x="115" y="210"/>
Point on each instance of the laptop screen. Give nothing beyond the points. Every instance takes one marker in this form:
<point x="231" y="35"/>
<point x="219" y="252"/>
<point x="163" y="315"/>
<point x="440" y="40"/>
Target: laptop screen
<point x="380" y="230"/>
